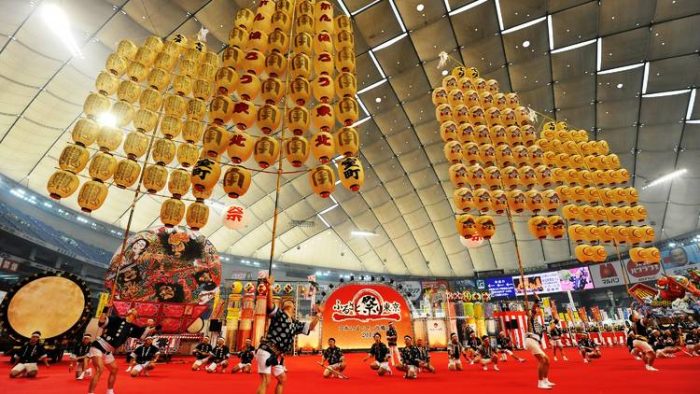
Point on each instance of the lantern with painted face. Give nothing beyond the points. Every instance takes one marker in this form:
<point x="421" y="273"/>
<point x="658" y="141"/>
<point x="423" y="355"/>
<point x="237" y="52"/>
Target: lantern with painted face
<point x="460" y="114"/>
<point x="458" y="175"/>
<point x="514" y="136"/>
<point x="453" y="152"/>
<point x="455" y="98"/>
<point x="555" y="227"/>
<point x="521" y="155"/>
<point x="449" y="83"/>
<point x="493" y="177"/>
<point x="482" y="200"/>
<point x="463" y="199"/>
<point x="631" y="196"/>
<point x="639" y="213"/>
<point x="439" y="96"/>
<point x="504" y="155"/>
<point x="466" y="225"/>
<point x="516" y="201"/>
<point x="585" y="253"/>
<point x="466" y="133"/>
<point x="544" y="175"/>
<point x="448" y="131"/>
<point x="648" y="234"/>
<point x="510" y="177"/>
<point x="485" y="226"/>
<point x="538" y="226"/>
<point x="528" y="177"/>
<point x="498" y="135"/>
<point x="636" y="235"/>
<point x="606" y="233"/>
<point x="493" y="116"/>
<point x="487" y="154"/>
<point x="508" y="118"/>
<point x="471" y="98"/>
<point x="481" y="134"/>
<point x="476" y="175"/>
<point x="499" y="201"/>
<point x="551" y="200"/>
<point x="477" y="116"/>
<point x="534" y="201"/>
<point x="322" y="180"/>
<point x="323" y="146"/>
<point x="621" y="234"/>
<point x="635" y="255"/>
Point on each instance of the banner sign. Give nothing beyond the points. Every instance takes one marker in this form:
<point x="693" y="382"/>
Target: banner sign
<point x="412" y="289"/>
<point x="575" y="279"/>
<point x="542" y="283"/>
<point x="437" y="333"/>
<point x="607" y="274"/>
<point x="680" y="259"/>
<point x="354" y="312"/>
<point x="500" y="287"/>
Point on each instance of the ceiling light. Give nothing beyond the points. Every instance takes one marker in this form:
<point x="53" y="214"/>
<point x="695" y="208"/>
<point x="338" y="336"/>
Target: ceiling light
<point x="344" y="7"/>
<point x="376" y="64"/>
<point x="599" y="56"/>
<point x="358" y="233"/>
<point x="467" y="7"/>
<point x="365" y="7"/>
<point x="397" y="16"/>
<point x="620" y="69"/>
<point x="390" y="42"/>
<point x="645" y="81"/>
<point x="550" y="32"/>
<point x="107" y="119"/>
<point x="671" y="244"/>
<point x="378" y="100"/>
<point x="444" y="73"/>
<point x="526" y="44"/>
<point x="522" y="26"/>
<point x="362" y="105"/>
<point x="572" y="47"/>
<point x="499" y="15"/>
<point x="691" y="104"/>
<point x="420" y="7"/>
<point x="619" y="86"/>
<point x="447" y="5"/>
<point x="668" y="177"/>
<point x="372" y="86"/>
<point x="58" y="23"/>
<point x="669" y="93"/>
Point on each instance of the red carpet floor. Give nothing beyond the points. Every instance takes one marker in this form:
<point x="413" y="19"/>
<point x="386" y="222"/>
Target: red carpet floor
<point x="616" y="372"/>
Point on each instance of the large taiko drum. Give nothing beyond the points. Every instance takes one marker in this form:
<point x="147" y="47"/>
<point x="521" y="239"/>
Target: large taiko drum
<point x="56" y="304"/>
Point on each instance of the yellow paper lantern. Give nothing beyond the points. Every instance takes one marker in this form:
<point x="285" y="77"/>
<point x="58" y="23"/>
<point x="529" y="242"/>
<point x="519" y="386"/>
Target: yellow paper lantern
<point x="136" y="71"/>
<point x="516" y="201"/>
<point x="463" y="199"/>
<point x="215" y="140"/>
<point x="348" y="111"/>
<point x="109" y="138"/>
<point x="485" y="226"/>
<point x="237" y="181"/>
<point x="268" y="118"/>
<point x="127" y="49"/>
<point x="466" y="225"/>
<point x="266" y="151"/>
<point x="538" y="226"/>
<point x="221" y="109"/>
<point x="351" y="173"/>
<point x="347" y="141"/>
<point x="95" y="105"/>
<point x="171" y="212"/>
<point x="323" y="63"/>
<point x="170" y="126"/>
<point x="73" y="158"/>
<point x="150" y="99"/>
<point x="323" y="146"/>
<point x="179" y="182"/>
<point x="226" y="80"/>
<point x="272" y="90"/>
<point x="240" y="146"/>
<point x="92" y="195"/>
<point x="345" y="60"/>
<point x="106" y="83"/>
<point x="510" y="177"/>
<point x="197" y="215"/>
<point x="493" y="177"/>
<point x="487" y="154"/>
<point x="458" y="175"/>
<point x="550" y="200"/>
<point x="499" y="201"/>
<point x="322" y="180"/>
<point x="154" y="178"/>
<point x="527" y="177"/>
<point x="116" y="64"/>
<point x="466" y="133"/>
<point x="476" y="175"/>
<point x="344" y="40"/>
<point x="163" y="151"/>
<point x="439" y="96"/>
<point x="297" y="150"/>
<point x="205" y="174"/>
<point x="244" y="114"/>
<point x="187" y="154"/>
<point x="453" y="152"/>
<point x="482" y="200"/>
<point x="555" y="227"/>
<point x="85" y="132"/>
<point x="102" y="166"/>
<point x="533" y="201"/>
<point x="62" y="184"/>
<point x="323" y="117"/>
<point x="126" y="173"/>
<point x="346" y="85"/>
<point x="135" y="145"/>
<point x="249" y="86"/>
<point x="577" y="233"/>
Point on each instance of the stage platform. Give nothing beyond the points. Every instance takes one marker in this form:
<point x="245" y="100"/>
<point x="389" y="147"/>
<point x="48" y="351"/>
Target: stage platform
<point x="616" y="372"/>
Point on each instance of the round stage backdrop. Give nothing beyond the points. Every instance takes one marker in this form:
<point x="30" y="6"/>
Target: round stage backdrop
<point x="166" y="265"/>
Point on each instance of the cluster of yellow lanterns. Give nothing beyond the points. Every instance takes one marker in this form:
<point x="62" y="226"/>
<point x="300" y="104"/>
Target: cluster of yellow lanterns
<point x="161" y="85"/>
<point x="168" y="86"/>
<point x="498" y="162"/>
<point x="267" y="81"/>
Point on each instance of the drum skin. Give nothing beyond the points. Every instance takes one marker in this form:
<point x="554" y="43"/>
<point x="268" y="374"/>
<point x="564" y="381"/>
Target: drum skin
<point x="53" y="303"/>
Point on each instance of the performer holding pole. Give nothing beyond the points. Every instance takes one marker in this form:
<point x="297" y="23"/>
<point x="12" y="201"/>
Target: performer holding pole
<point x="279" y="339"/>
<point x="115" y="332"/>
<point x="535" y="329"/>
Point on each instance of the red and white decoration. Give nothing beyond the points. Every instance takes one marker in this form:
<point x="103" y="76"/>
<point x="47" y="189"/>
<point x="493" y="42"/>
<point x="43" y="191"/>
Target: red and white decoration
<point x="234" y="217"/>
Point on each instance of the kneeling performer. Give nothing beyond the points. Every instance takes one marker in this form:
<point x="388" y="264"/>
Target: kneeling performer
<point x="246" y="355"/>
<point x="410" y="359"/>
<point x="143" y="358"/>
<point x="201" y="352"/>
<point x="335" y="359"/>
<point x="380" y="352"/>
<point x="218" y="356"/>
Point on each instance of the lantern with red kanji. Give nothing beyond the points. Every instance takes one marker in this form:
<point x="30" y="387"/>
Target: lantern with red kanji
<point x="323" y="146"/>
<point x="234" y="217"/>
